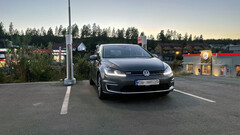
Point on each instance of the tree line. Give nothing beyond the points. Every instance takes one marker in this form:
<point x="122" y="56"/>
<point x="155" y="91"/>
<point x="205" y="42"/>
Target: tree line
<point x="93" y="34"/>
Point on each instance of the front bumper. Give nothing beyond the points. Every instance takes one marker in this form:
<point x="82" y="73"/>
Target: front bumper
<point x="126" y="85"/>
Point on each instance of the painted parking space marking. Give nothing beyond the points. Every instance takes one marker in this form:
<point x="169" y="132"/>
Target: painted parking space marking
<point x="37" y="104"/>
<point x="205" y="99"/>
<point x="64" y="109"/>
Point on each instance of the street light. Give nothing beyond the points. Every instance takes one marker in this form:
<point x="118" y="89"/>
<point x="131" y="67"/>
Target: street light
<point x="70" y="80"/>
<point x="176" y="53"/>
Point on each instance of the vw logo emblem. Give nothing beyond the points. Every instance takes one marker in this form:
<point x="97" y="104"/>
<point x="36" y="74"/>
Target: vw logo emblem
<point x="146" y="73"/>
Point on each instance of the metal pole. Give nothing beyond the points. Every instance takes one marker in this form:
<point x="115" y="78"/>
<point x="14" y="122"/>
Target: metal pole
<point x="69" y="15"/>
<point x="70" y="80"/>
<point x="59" y="55"/>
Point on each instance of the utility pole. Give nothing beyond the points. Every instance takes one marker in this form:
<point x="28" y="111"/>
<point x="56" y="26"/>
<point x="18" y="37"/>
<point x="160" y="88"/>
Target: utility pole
<point x="70" y="80"/>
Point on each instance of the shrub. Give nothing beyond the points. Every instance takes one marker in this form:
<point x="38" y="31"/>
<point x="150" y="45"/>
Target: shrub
<point x="181" y="73"/>
<point x="41" y="69"/>
<point x="1" y="76"/>
<point x="177" y="65"/>
<point x="81" y="67"/>
<point x="20" y="72"/>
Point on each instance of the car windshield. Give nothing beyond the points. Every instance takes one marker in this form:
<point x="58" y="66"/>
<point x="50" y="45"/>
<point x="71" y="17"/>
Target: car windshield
<point x="124" y="51"/>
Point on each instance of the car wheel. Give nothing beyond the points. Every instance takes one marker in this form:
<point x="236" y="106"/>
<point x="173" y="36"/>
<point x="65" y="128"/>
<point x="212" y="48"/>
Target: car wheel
<point x="101" y="95"/>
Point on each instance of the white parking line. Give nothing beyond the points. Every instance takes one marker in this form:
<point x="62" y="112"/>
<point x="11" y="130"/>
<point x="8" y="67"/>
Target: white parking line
<point x="65" y="101"/>
<point x="205" y="99"/>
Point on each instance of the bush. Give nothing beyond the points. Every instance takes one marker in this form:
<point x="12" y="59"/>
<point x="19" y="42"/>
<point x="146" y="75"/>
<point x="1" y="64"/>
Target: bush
<point x="20" y="72"/>
<point x="81" y="67"/>
<point x="1" y="76"/>
<point x="33" y="67"/>
<point x="41" y="69"/>
<point x="177" y="65"/>
<point x="181" y="73"/>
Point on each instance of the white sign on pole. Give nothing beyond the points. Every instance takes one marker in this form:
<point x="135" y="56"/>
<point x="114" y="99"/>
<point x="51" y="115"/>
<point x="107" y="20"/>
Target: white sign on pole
<point x="69" y="39"/>
<point x="2" y="56"/>
<point x="142" y="41"/>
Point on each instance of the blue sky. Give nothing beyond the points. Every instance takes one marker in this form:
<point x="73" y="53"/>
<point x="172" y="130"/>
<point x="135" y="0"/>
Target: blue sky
<point x="212" y="18"/>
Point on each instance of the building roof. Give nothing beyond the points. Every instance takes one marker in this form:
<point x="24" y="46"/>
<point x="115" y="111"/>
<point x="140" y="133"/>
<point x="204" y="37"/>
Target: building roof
<point x="170" y="45"/>
<point x="38" y="51"/>
<point x="180" y="45"/>
<point x="234" y="47"/>
<point x="82" y="47"/>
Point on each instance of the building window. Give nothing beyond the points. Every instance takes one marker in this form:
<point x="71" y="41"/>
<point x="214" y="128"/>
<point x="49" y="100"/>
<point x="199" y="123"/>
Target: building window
<point x="238" y="70"/>
<point x="189" y="68"/>
<point x="206" y="69"/>
<point x="56" y="59"/>
<point x="2" y="63"/>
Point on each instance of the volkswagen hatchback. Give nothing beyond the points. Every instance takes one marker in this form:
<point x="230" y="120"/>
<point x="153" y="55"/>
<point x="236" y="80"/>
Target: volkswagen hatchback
<point x="128" y="69"/>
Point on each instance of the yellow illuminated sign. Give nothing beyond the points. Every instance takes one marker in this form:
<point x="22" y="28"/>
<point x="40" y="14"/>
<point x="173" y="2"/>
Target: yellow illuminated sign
<point x="206" y="56"/>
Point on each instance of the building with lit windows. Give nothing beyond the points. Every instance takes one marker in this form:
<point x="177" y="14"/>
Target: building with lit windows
<point x="216" y="64"/>
<point x="168" y="50"/>
<point x="61" y="47"/>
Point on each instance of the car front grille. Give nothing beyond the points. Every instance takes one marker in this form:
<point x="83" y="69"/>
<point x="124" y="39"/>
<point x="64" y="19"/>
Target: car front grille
<point x="140" y="73"/>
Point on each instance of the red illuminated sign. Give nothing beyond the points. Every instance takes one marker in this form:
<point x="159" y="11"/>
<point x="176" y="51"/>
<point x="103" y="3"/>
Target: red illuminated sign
<point x="186" y="55"/>
<point x="214" y="54"/>
<point x="139" y="39"/>
<point x="228" y="54"/>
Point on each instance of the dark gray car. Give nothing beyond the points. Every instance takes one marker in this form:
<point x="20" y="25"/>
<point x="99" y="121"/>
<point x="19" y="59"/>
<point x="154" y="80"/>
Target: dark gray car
<point x="128" y="69"/>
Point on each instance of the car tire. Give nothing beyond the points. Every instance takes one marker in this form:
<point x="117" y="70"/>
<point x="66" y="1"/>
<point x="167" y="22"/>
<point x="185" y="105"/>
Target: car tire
<point x="101" y="95"/>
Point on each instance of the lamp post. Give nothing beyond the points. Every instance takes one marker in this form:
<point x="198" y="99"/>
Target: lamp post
<point x="70" y="80"/>
<point x="176" y="53"/>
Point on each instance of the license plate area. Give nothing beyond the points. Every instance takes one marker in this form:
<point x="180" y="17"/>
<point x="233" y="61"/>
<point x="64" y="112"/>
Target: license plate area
<point x="147" y="82"/>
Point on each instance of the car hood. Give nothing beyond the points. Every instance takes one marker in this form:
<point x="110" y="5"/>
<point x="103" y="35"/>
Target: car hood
<point x="135" y="64"/>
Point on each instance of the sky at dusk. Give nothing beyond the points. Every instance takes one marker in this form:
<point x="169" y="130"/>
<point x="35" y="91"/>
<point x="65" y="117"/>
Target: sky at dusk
<point x="211" y="18"/>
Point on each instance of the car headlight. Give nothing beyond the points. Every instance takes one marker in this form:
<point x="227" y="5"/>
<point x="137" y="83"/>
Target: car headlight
<point x="113" y="72"/>
<point x="167" y="69"/>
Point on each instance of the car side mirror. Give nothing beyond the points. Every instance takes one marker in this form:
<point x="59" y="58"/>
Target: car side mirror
<point x="93" y="57"/>
<point x="155" y="55"/>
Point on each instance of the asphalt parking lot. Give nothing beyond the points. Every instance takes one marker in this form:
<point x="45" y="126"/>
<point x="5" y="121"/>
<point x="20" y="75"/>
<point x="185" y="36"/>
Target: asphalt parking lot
<point x="200" y="105"/>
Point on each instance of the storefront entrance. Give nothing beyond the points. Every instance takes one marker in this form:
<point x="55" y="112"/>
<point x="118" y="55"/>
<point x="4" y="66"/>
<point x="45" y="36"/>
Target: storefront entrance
<point x="206" y="69"/>
<point x="238" y="70"/>
<point x="223" y="71"/>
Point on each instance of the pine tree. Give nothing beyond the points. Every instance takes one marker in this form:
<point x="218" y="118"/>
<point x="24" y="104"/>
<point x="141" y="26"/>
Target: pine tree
<point x="11" y="31"/>
<point x="75" y="30"/>
<point x="56" y="31"/>
<point x="60" y="30"/>
<point x="2" y="34"/>
<point x="50" y="32"/>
